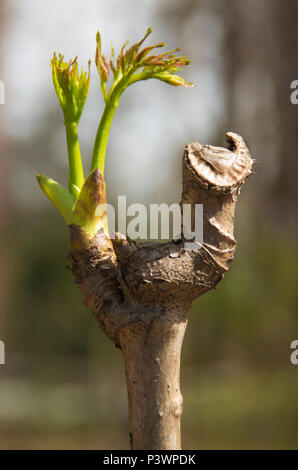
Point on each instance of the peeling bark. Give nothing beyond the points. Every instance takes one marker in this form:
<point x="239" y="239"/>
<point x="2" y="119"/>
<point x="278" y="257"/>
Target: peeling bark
<point x="140" y="293"/>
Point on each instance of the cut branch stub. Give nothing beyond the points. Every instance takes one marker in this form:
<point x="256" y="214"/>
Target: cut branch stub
<point x="213" y="176"/>
<point x="220" y="170"/>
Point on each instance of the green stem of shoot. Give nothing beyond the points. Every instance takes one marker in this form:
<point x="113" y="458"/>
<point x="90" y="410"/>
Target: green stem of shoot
<point x="102" y="135"/>
<point x="76" y="172"/>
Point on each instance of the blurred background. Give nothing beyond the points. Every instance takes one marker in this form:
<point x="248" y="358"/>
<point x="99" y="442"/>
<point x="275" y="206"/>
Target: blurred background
<point x="63" y="384"/>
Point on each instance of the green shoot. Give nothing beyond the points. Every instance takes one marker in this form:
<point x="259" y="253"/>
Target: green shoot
<point x="84" y="203"/>
<point x="132" y="66"/>
<point x="72" y="90"/>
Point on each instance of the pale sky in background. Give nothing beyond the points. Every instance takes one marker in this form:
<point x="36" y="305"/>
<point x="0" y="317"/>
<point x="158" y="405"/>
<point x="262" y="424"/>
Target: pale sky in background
<point x="154" y="121"/>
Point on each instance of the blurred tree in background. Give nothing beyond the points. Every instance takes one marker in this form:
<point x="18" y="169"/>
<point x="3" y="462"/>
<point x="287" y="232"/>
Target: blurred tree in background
<point x="63" y="385"/>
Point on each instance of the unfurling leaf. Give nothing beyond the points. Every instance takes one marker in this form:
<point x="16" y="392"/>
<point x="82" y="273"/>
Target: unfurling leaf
<point x="62" y="199"/>
<point x="100" y="60"/>
<point x="71" y="86"/>
<point x="90" y="209"/>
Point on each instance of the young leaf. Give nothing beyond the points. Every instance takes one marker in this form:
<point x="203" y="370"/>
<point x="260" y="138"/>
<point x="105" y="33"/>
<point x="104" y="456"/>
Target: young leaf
<point x="90" y="208"/>
<point x="71" y="86"/>
<point x="59" y="196"/>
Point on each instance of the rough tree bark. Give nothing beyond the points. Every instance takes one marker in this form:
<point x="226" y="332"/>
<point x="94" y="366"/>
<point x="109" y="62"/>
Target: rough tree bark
<point x="141" y="293"/>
